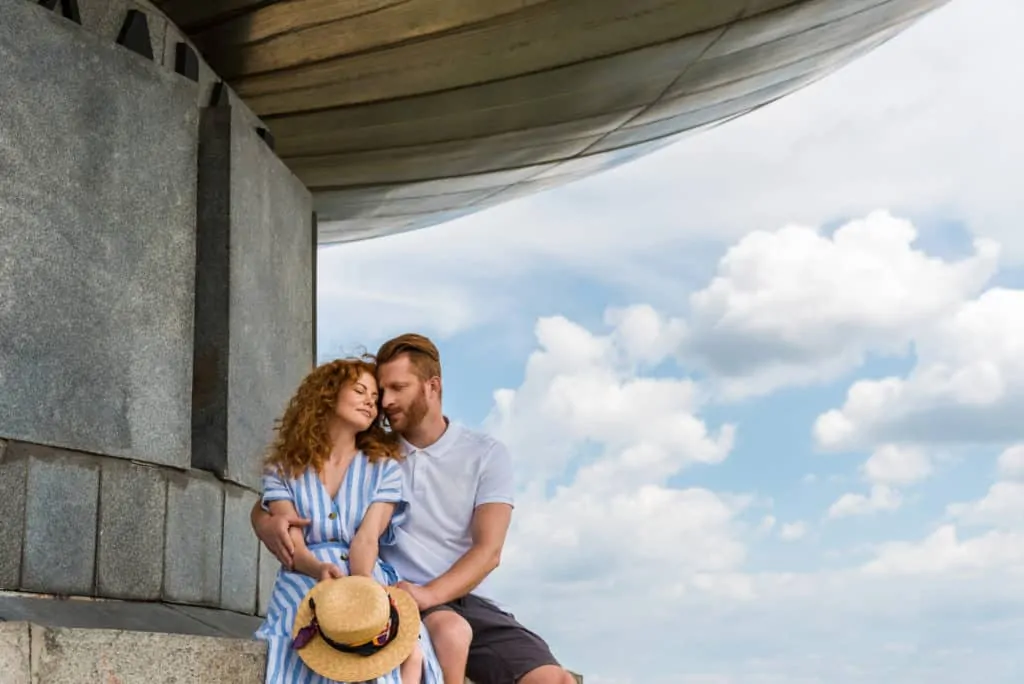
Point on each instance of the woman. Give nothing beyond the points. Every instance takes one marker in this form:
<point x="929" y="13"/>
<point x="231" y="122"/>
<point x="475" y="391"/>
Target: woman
<point x="333" y="463"/>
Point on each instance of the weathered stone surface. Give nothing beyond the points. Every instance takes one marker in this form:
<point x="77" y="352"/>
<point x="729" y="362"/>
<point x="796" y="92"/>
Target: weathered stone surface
<point x="271" y="296"/>
<point x="223" y="622"/>
<point x="144" y="616"/>
<point x="238" y="579"/>
<point x="97" y="210"/>
<point x="133" y="503"/>
<point x="269" y="567"/>
<point x="60" y="521"/>
<point x="254" y="316"/>
<point x="192" y="547"/>
<point x="73" y="656"/>
<point x="14" y="653"/>
<point x="13" y="473"/>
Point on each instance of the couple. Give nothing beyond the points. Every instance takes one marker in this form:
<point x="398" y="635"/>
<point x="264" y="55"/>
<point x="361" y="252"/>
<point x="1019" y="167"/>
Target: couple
<point x="423" y="510"/>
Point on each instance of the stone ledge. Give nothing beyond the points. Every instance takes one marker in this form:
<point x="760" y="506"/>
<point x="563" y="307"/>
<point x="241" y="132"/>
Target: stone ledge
<point x="31" y="653"/>
<point x="125" y="530"/>
<point x="56" y="655"/>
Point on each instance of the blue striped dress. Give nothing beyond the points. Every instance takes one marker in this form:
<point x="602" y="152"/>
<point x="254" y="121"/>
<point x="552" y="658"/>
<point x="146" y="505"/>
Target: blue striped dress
<point x="333" y="524"/>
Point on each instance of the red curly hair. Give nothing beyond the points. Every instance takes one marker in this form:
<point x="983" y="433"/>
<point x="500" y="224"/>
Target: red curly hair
<point x="303" y="436"/>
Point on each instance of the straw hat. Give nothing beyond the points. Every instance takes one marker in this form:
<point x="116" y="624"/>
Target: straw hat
<point x="353" y="629"/>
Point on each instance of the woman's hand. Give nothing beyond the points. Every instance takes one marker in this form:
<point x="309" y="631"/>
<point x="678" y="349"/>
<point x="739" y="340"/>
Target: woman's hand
<point x="330" y="571"/>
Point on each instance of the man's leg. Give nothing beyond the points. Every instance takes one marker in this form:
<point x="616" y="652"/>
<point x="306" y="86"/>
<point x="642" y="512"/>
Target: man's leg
<point x="451" y="635"/>
<point x="504" y="651"/>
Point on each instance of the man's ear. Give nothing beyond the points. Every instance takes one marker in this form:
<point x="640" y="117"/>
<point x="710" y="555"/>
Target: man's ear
<point x="435" y="385"/>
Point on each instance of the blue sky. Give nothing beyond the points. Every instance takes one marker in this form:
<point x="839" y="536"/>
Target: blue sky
<point x="762" y="386"/>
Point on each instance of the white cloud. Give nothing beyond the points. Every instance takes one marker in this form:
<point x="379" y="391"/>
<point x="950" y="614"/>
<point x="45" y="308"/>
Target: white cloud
<point x="897" y="465"/>
<point x="794" y="305"/>
<point x="605" y="527"/>
<point x="580" y="389"/>
<point x="881" y="498"/>
<point x="1011" y="463"/>
<point x="890" y="468"/>
<point x="1002" y="507"/>
<point x="793" y="531"/>
<point x="943" y="552"/>
<point x="595" y="445"/>
<point x="967" y="385"/>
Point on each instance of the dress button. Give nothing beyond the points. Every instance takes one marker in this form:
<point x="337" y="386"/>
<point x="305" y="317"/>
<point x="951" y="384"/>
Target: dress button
<point x="332" y="516"/>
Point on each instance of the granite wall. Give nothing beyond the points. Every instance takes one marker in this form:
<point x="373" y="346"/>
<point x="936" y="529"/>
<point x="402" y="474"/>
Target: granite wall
<point x="97" y="213"/>
<point x="156" y="309"/>
<point x="92" y="525"/>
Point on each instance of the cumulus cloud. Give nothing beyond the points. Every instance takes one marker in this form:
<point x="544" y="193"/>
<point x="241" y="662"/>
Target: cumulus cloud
<point x="793" y="531"/>
<point x="795" y="305"/>
<point x="1011" y="463"/>
<point x="1001" y="507"/>
<point x="897" y="465"/>
<point x="880" y="498"/>
<point x="605" y="527"/>
<point x="967" y="384"/>
<point x="944" y="552"/>
<point x="888" y="470"/>
<point x="595" y="445"/>
<point x="580" y="389"/>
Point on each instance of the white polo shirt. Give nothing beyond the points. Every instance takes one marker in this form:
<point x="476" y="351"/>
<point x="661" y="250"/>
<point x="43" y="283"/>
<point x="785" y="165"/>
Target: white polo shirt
<point x="443" y="484"/>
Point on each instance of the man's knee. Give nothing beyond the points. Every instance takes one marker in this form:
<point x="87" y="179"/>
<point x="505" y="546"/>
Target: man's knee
<point x="448" y="630"/>
<point x="548" y="674"/>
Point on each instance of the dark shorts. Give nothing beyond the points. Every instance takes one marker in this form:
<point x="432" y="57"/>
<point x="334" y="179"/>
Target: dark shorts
<point x="502" y="650"/>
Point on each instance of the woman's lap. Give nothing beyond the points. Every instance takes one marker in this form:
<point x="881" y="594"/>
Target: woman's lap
<point x="283" y="664"/>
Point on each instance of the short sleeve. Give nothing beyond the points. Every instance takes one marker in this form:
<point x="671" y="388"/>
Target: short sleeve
<point x="390" y="489"/>
<point x="497" y="479"/>
<point x="275" y="488"/>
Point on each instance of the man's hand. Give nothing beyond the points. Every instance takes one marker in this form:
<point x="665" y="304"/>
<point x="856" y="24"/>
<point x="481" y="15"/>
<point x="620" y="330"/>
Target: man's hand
<point x="424" y="596"/>
<point x="330" y="571"/>
<point x="272" y="530"/>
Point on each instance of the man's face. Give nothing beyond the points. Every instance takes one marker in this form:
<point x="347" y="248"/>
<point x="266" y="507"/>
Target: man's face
<point x="403" y="394"/>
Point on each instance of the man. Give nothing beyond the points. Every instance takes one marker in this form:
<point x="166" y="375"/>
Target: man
<point x="459" y="485"/>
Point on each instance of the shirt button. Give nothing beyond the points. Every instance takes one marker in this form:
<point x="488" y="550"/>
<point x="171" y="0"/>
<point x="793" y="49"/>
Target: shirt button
<point x="332" y="516"/>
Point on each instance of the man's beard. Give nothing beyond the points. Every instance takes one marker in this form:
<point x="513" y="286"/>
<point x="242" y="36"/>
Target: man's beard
<point x="412" y="416"/>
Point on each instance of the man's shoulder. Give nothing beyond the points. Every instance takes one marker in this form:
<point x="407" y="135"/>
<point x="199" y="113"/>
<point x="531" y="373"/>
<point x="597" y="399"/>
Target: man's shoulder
<point x="478" y="443"/>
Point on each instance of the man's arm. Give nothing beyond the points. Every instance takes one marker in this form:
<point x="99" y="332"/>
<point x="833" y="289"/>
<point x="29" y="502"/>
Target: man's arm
<point x="490" y="526"/>
<point x="274" y="532"/>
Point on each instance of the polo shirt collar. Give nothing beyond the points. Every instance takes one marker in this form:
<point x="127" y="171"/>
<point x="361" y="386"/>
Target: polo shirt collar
<point x="441" y="446"/>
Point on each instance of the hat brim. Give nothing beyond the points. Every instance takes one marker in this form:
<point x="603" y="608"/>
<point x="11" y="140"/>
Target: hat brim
<point x="348" y="667"/>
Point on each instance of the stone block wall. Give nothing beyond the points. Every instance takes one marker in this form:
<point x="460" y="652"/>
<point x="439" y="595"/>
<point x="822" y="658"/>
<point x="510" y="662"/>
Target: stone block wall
<point x="156" y="310"/>
<point x="93" y="525"/>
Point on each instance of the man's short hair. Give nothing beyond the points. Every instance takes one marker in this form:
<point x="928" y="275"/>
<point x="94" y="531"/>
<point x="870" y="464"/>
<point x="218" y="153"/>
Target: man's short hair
<point x="423" y="354"/>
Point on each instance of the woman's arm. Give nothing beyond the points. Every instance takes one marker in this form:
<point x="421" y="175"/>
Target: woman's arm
<point x="303" y="559"/>
<point x="362" y="553"/>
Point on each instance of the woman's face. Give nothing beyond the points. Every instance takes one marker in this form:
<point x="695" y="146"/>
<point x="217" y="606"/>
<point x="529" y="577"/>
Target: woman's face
<point x="357" y="402"/>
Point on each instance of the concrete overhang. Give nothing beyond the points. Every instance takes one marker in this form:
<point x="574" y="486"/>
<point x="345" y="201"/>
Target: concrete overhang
<point x="400" y="114"/>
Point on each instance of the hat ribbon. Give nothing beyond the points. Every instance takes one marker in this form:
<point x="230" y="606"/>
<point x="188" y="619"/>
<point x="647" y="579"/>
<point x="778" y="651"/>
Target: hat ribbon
<point x="383" y="638"/>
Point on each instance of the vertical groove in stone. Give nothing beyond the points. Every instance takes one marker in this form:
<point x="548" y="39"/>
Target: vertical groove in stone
<point x="212" y="295"/>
